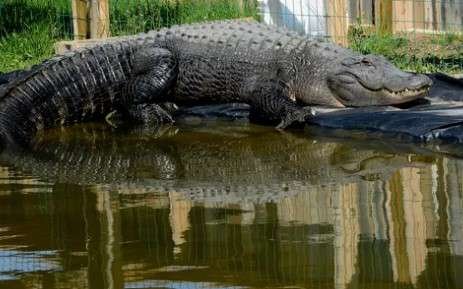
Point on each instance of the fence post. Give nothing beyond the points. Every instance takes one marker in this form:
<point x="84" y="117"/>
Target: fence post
<point x="338" y="20"/>
<point x="79" y="19"/>
<point x="383" y="16"/>
<point x="99" y="18"/>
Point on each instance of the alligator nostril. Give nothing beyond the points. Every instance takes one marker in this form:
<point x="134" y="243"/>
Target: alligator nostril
<point x="419" y="81"/>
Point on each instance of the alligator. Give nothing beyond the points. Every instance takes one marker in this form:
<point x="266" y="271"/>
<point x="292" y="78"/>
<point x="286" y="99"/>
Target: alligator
<point x="275" y="71"/>
<point x="237" y="161"/>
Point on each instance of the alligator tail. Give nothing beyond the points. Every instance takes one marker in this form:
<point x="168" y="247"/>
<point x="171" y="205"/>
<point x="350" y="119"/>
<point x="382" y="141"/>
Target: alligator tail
<point x="7" y="77"/>
<point x="4" y="79"/>
<point x="6" y="139"/>
<point x="66" y="89"/>
<point x="9" y="135"/>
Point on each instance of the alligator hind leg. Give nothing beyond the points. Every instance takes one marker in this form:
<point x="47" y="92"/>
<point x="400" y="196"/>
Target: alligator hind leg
<point x="147" y="114"/>
<point x="269" y="101"/>
<point x="155" y="72"/>
<point x="296" y="117"/>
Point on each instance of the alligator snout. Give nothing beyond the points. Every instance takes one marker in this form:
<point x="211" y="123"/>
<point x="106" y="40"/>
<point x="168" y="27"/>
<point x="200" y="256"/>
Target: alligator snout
<point x="419" y="82"/>
<point x="409" y="83"/>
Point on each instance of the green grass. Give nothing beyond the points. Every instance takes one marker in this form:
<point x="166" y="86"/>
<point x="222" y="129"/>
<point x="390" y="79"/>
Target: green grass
<point x="29" y="28"/>
<point x="127" y="18"/>
<point x="23" y="49"/>
<point x="412" y="51"/>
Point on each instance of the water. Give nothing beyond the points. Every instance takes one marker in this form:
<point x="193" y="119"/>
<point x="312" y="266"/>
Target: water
<point x="228" y="206"/>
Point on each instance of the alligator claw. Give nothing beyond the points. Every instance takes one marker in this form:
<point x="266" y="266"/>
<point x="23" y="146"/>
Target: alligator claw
<point x="299" y="116"/>
<point x="170" y="107"/>
<point x="150" y="114"/>
<point x="114" y="118"/>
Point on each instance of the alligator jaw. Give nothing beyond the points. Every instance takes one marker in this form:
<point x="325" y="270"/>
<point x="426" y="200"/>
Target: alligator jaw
<point x="406" y="93"/>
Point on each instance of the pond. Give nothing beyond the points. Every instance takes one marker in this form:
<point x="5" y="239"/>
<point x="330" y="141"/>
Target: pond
<point x="233" y="205"/>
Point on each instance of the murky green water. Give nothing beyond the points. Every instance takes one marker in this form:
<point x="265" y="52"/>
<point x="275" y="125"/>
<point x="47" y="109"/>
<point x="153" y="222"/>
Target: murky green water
<point x="228" y="206"/>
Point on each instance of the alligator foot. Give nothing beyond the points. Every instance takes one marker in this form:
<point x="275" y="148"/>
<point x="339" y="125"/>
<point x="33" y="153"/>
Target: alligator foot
<point x="149" y="114"/>
<point x="169" y="107"/>
<point x="296" y="117"/>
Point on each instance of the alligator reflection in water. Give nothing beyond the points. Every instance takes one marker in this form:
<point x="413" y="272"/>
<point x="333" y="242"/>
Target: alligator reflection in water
<point x="234" y="161"/>
<point x="244" y="207"/>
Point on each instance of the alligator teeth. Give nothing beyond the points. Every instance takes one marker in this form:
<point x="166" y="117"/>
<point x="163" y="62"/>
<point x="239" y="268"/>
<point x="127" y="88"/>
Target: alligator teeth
<point x="406" y="92"/>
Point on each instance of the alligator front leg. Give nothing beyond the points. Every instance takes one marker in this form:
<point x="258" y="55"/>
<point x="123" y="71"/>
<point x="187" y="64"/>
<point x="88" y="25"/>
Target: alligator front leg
<point x="155" y="72"/>
<point x="269" y="101"/>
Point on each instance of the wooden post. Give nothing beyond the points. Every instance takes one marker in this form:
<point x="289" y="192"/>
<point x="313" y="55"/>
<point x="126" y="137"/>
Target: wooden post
<point x="383" y="16"/>
<point x="79" y="18"/>
<point x="99" y="19"/>
<point x="403" y="16"/>
<point x="419" y="16"/>
<point x="338" y="22"/>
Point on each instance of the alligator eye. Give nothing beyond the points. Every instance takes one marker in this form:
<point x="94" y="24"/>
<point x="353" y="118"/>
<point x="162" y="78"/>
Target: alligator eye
<point x="367" y="62"/>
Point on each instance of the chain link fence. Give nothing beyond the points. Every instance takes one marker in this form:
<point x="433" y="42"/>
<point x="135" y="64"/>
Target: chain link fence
<point x="420" y="35"/>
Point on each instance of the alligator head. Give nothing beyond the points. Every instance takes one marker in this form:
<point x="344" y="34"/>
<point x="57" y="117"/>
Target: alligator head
<point x="364" y="80"/>
<point x="361" y="80"/>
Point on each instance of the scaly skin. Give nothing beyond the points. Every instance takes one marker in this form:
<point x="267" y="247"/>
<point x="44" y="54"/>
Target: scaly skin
<point x="224" y="163"/>
<point x="83" y="86"/>
<point x="216" y="62"/>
